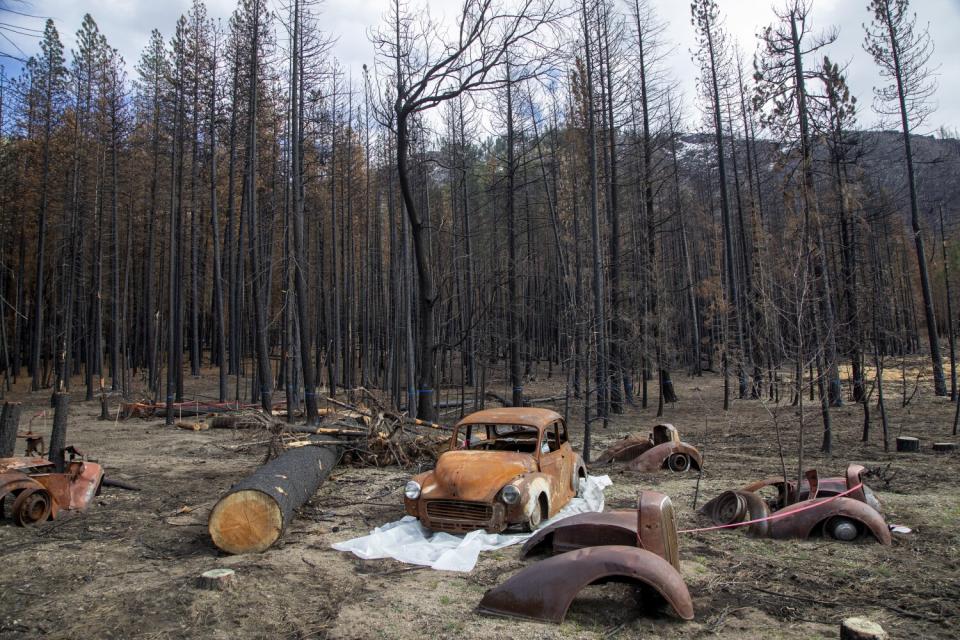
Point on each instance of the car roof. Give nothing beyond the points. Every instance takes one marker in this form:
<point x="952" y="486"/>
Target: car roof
<point x="526" y="416"/>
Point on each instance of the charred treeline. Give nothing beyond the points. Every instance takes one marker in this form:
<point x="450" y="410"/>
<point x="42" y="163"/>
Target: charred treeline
<point x="244" y="208"/>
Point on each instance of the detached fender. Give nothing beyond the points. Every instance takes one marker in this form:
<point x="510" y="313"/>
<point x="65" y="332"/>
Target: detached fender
<point x="656" y="458"/>
<point x="590" y="529"/>
<point x="812" y="514"/>
<point x="544" y="591"/>
<point x="627" y="448"/>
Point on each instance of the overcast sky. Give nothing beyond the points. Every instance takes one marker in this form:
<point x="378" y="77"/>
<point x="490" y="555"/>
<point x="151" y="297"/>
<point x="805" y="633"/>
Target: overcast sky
<point x="127" y="25"/>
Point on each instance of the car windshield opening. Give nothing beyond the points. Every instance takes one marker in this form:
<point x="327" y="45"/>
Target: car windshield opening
<point x="501" y="437"/>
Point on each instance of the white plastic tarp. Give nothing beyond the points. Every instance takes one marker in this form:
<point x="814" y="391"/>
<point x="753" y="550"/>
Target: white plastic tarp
<point x="408" y="541"/>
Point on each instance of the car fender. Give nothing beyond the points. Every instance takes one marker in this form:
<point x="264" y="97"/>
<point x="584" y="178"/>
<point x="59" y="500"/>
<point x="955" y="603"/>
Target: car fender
<point x="531" y="486"/>
<point x="579" y="471"/>
<point x="545" y="590"/>
<point x="626" y="448"/>
<point x="655" y="458"/>
<point x="589" y="529"/>
<point x="812" y="514"/>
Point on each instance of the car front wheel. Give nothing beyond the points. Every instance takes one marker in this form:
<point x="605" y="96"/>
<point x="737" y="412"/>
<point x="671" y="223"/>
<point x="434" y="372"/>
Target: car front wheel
<point x="535" y="517"/>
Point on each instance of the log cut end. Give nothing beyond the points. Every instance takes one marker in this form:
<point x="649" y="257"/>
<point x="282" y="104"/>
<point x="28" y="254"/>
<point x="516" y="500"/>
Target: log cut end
<point x="217" y="579"/>
<point x="861" y="629"/>
<point x="247" y="521"/>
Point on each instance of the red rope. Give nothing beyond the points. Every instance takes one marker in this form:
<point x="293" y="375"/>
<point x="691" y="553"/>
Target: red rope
<point x="774" y="516"/>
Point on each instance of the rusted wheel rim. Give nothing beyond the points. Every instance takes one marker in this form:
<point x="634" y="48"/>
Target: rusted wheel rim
<point x="679" y="462"/>
<point x="32" y="506"/>
<point x="730" y="508"/>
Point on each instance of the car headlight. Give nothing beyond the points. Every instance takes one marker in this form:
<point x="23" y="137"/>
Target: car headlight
<point x="510" y="494"/>
<point x="412" y="490"/>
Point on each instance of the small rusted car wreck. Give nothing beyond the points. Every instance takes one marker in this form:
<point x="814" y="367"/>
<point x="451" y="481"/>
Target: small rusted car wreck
<point x="661" y="449"/>
<point x="40" y="493"/>
<point x="638" y="547"/>
<point x="841" y="508"/>
<point x="505" y="467"/>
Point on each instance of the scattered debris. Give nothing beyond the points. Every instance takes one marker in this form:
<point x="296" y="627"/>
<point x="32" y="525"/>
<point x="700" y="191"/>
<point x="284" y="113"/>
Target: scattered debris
<point x="839" y="508"/>
<point x="591" y="550"/>
<point x="661" y="449"/>
<point x="512" y="466"/>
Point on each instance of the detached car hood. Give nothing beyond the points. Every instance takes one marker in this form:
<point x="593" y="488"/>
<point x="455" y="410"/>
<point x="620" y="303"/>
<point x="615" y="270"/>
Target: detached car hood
<point x="475" y="475"/>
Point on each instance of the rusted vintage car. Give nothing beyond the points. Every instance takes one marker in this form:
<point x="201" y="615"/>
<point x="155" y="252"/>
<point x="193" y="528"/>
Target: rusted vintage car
<point x="509" y="466"/>
<point x="633" y="546"/>
<point x="661" y="449"/>
<point x="39" y="493"/>
<point x="842" y="508"/>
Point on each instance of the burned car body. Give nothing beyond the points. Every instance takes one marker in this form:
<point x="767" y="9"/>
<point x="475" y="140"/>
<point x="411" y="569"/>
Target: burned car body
<point x="509" y="466"/>
<point x="840" y="508"/>
<point x="661" y="449"/>
<point x="637" y="547"/>
<point x="39" y="493"/>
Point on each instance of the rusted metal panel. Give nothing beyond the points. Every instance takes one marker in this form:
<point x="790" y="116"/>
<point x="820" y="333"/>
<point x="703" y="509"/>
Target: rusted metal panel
<point x="584" y="530"/>
<point x="527" y="416"/>
<point x="545" y="590"/>
<point x="652" y="526"/>
<point x="625" y="449"/>
<point x="811" y="516"/>
<point x="23" y="463"/>
<point x="818" y="508"/>
<point x="38" y="496"/>
<point x="659" y="456"/>
<point x="660" y="449"/>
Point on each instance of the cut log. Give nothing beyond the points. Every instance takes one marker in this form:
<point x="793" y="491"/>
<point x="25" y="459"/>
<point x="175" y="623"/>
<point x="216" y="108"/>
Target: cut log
<point x="193" y="426"/>
<point x="254" y="513"/>
<point x="861" y="629"/>
<point x="9" y="423"/>
<point x="944" y="447"/>
<point x="58" y="437"/>
<point x="217" y="579"/>
<point x="119" y="484"/>
<point x="908" y="444"/>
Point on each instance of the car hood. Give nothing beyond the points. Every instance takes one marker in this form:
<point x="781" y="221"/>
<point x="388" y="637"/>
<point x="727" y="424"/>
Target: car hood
<point x="475" y="475"/>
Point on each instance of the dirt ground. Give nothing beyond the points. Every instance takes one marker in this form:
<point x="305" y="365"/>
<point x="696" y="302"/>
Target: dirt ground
<point x="128" y="567"/>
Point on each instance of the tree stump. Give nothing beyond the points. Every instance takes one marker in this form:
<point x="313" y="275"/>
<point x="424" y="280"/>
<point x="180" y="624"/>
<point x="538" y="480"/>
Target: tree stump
<point x="906" y="444"/>
<point x="255" y="512"/>
<point x="861" y="629"/>
<point x="944" y="447"/>
<point x="9" y="423"/>
<point x="217" y="579"/>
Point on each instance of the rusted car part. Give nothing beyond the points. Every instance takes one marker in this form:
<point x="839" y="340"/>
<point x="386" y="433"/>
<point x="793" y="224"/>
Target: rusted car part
<point x="40" y="493"/>
<point x="545" y="590"/>
<point x="509" y="466"/>
<point x="818" y="508"/>
<point x="652" y="526"/>
<point x="661" y="449"/>
<point x="634" y="546"/>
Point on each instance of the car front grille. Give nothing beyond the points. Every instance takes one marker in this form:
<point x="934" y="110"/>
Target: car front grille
<point x="459" y="510"/>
